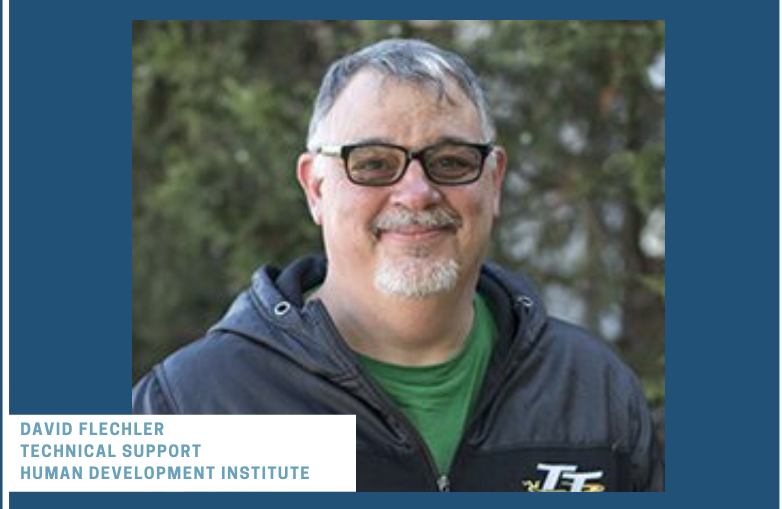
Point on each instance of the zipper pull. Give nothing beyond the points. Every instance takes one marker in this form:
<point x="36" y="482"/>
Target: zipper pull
<point x="444" y="484"/>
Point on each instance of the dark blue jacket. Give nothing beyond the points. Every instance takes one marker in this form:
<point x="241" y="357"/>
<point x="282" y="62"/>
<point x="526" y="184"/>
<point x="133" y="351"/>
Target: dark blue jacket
<point x="558" y="411"/>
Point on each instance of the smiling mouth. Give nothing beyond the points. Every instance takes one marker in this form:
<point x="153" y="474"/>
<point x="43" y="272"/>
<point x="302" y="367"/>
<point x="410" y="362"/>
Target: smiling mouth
<point x="414" y="233"/>
<point x="405" y="225"/>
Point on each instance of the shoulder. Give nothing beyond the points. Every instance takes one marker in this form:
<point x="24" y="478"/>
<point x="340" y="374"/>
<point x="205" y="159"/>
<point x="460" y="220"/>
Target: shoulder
<point x="215" y="352"/>
<point x="198" y="377"/>
<point x="565" y="344"/>
<point x="569" y="339"/>
<point x="563" y="358"/>
<point x="588" y="358"/>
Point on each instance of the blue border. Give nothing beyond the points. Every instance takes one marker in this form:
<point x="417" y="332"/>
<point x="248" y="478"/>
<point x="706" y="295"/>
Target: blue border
<point x="67" y="232"/>
<point x="725" y="256"/>
<point x="66" y="219"/>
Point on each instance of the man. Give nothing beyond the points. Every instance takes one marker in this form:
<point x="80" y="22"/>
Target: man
<point x="458" y="377"/>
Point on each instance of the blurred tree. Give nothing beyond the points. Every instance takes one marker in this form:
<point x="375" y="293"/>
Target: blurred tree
<point x="218" y="115"/>
<point x="581" y="107"/>
<point x="220" y="112"/>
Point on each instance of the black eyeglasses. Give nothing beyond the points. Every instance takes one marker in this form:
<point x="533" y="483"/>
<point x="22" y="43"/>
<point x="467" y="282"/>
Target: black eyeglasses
<point x="449" y="163"/>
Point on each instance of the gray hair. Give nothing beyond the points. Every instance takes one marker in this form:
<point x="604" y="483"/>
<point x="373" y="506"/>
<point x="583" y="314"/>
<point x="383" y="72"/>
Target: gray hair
<point x="407" y="59"/>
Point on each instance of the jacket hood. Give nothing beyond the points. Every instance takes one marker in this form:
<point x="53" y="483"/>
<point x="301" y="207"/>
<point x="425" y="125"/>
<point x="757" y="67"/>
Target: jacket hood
<point x="273" y="312"/>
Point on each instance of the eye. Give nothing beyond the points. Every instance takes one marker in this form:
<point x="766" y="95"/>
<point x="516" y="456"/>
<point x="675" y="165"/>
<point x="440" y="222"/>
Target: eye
<point x="453" y="167"/>
<point x="373" y="164"/>
<point x="453" y="163"/>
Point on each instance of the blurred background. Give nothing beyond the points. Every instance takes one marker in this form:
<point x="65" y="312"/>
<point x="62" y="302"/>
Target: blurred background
<point x="220" y="114"/>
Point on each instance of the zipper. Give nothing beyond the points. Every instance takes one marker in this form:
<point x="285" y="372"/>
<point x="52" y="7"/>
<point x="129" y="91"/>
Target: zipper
<point x="442" y="483"/>
<point x="485" y="399"/>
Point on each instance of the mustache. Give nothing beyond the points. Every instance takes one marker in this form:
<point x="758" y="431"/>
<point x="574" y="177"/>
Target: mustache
<point x="403" y="217"/>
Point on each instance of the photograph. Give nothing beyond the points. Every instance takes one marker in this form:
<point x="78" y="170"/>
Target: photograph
<point x="452" y="229"/>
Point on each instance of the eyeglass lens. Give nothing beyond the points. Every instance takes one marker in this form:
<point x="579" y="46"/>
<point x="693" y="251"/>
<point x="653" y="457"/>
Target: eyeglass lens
<point x="447" y="164"/>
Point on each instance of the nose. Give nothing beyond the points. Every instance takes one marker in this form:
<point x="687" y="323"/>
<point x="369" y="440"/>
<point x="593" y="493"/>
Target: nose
<point x="415" y="191"/>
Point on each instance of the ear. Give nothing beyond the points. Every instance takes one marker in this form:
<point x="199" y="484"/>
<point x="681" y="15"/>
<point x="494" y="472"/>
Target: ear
<point x="500" y="159"/>
<point x="311" y="183"/>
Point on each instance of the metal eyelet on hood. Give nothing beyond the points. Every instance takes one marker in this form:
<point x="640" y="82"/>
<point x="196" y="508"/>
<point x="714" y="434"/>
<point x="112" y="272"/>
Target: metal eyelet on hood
<point x="525" y="301"/>
<point x="282" y="308"/>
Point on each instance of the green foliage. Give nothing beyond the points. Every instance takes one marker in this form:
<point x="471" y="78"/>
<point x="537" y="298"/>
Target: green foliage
<point x="584" y="124"/>
<point x="217" y="126"/>
<point x="656" y="284"/>
<point x="654" y="385"/>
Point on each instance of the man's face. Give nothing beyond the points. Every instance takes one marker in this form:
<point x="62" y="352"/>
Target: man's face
<point x="414" y="238"/>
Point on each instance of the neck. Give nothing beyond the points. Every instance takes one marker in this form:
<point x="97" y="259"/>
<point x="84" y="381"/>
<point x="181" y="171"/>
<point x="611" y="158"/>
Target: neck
<point x="396" y="330"/>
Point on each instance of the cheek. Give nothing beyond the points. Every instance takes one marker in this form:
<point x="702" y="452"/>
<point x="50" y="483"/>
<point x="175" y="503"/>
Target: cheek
<point x="477" y="203"/>
<point x="347" y="215"/>
<point x="478" y="216"/>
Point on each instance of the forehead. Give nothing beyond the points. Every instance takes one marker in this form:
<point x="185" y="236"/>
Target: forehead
<point x="373" y="106"/>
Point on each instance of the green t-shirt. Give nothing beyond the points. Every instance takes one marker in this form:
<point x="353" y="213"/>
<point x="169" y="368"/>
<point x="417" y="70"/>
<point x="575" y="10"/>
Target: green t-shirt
<point x="438" y="399"/>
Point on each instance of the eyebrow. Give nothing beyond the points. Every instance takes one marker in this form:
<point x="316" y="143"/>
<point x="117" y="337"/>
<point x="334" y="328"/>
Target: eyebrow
<point x="437" y="141"/>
